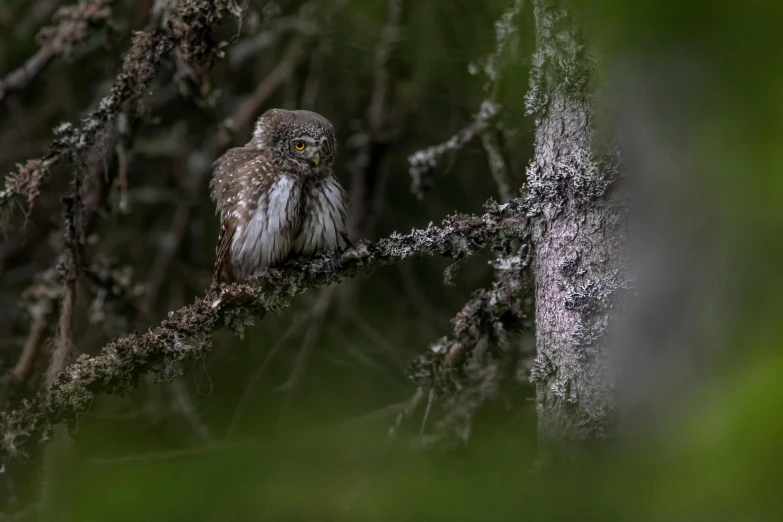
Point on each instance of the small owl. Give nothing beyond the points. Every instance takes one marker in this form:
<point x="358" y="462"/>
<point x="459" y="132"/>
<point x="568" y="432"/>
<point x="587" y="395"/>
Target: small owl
<point x="277" y="195"/>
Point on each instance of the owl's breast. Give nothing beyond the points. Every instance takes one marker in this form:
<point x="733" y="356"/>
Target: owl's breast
<point x="272" y="219"/>
<point x="324" y="225"/>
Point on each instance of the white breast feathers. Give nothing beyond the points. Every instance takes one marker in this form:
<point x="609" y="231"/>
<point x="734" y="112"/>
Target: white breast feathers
<point x="269" y="233"/>
<point x="324" y="227"/>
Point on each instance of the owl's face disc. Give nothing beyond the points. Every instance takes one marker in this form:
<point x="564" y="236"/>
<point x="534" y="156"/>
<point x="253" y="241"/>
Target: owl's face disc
<point x="301" y="140"/>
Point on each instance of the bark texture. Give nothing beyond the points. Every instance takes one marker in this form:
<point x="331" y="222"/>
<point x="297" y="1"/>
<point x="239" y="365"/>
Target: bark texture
<point x="577" y="237"/>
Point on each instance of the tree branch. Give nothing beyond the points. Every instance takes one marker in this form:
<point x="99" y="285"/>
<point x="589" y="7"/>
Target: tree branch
<point x="71" y="260"/>
<point x="467" y="369"/>
<point x="72" y="27"/>
<point x="485" y="123"/>
<point x="186" y="332"/>
<point x="189" y="30"/>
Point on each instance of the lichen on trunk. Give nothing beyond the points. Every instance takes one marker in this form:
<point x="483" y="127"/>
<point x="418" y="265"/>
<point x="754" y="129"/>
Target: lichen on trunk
<point x="577" y="237"/>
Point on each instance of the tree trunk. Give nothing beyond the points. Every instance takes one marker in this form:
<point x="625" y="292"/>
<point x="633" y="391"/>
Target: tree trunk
<point x="577" y="238"/>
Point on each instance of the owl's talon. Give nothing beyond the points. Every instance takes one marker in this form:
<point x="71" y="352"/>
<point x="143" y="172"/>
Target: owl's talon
<point x="274" y="272"/>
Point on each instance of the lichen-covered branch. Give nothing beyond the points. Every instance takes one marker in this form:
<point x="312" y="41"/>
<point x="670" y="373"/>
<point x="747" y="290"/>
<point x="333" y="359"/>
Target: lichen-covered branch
<point x="469" y="367"/>
<point x="186" y="332"/>
<point x="422" y="162"/>
<point x="189" y="30"/>
<point x="39" y="300"/>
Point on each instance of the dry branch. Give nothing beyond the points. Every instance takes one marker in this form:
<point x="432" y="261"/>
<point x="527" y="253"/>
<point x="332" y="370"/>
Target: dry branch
<point x="186" y="333"/>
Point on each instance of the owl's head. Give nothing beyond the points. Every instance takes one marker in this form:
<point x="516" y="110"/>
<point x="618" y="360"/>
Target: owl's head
<point x="302" y="139"/>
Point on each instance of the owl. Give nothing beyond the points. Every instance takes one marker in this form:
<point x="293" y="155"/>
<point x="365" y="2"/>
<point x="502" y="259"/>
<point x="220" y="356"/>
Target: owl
<point x="278" y="196"/>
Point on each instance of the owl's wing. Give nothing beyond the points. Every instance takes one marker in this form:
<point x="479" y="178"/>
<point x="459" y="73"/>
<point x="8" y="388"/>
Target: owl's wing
<point x="223" y="270"/>
<point x="259" y="212"/>
<point x="226" y="189"/>
<point x="342" y="205"/>
<point x="345" y="210"/>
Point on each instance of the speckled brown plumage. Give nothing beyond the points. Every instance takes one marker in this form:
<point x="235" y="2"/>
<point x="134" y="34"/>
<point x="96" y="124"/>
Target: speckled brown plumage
<point x="275" y="199"/>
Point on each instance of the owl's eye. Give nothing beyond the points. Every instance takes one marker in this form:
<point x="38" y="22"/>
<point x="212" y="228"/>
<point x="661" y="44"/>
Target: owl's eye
<point x="300" y="145"/>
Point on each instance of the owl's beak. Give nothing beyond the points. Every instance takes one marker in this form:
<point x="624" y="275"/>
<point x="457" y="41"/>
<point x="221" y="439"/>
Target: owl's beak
<point x="316" y="158"/>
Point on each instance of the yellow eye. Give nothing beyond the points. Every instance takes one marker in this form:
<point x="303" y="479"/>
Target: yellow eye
<point x="299" y="145"/>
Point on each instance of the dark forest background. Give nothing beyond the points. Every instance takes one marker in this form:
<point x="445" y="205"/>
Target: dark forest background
<point x="311" y="415"/>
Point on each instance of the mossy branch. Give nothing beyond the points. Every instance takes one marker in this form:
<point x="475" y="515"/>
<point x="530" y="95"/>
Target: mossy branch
<point x="186" y="333"/>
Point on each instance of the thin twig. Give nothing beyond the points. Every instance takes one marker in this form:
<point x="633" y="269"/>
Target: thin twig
<point x="256" y="378"/>
<point x="72" y="24"/>
<point x="375" y="137"/>
<point x="71" y="259"/>
<point x="498" y="165"/>
<point x="251" y="106"/>
<point x="316" y="322"/>
<point x="430" y="397"/>
<point x="467" y="368"/>
<point x="172" y="454"/>
<point x="139" y="68"/>
<point x="30" y="350"/>
<point x="176" y="235"/>
<point x="384" y="414"/>
<point x="408" y="409"/>
<point x="418" y="299"/>
<point x="78" y="219"/>
<point x="184" y="404"/>
<point x="375" y="336"/>
<point x="423" y="161"/>
<point x="483" y="124"/>
<point x="73" y="218"/>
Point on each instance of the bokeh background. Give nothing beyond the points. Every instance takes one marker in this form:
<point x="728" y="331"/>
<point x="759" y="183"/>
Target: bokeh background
<point x="252" y="433"/>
